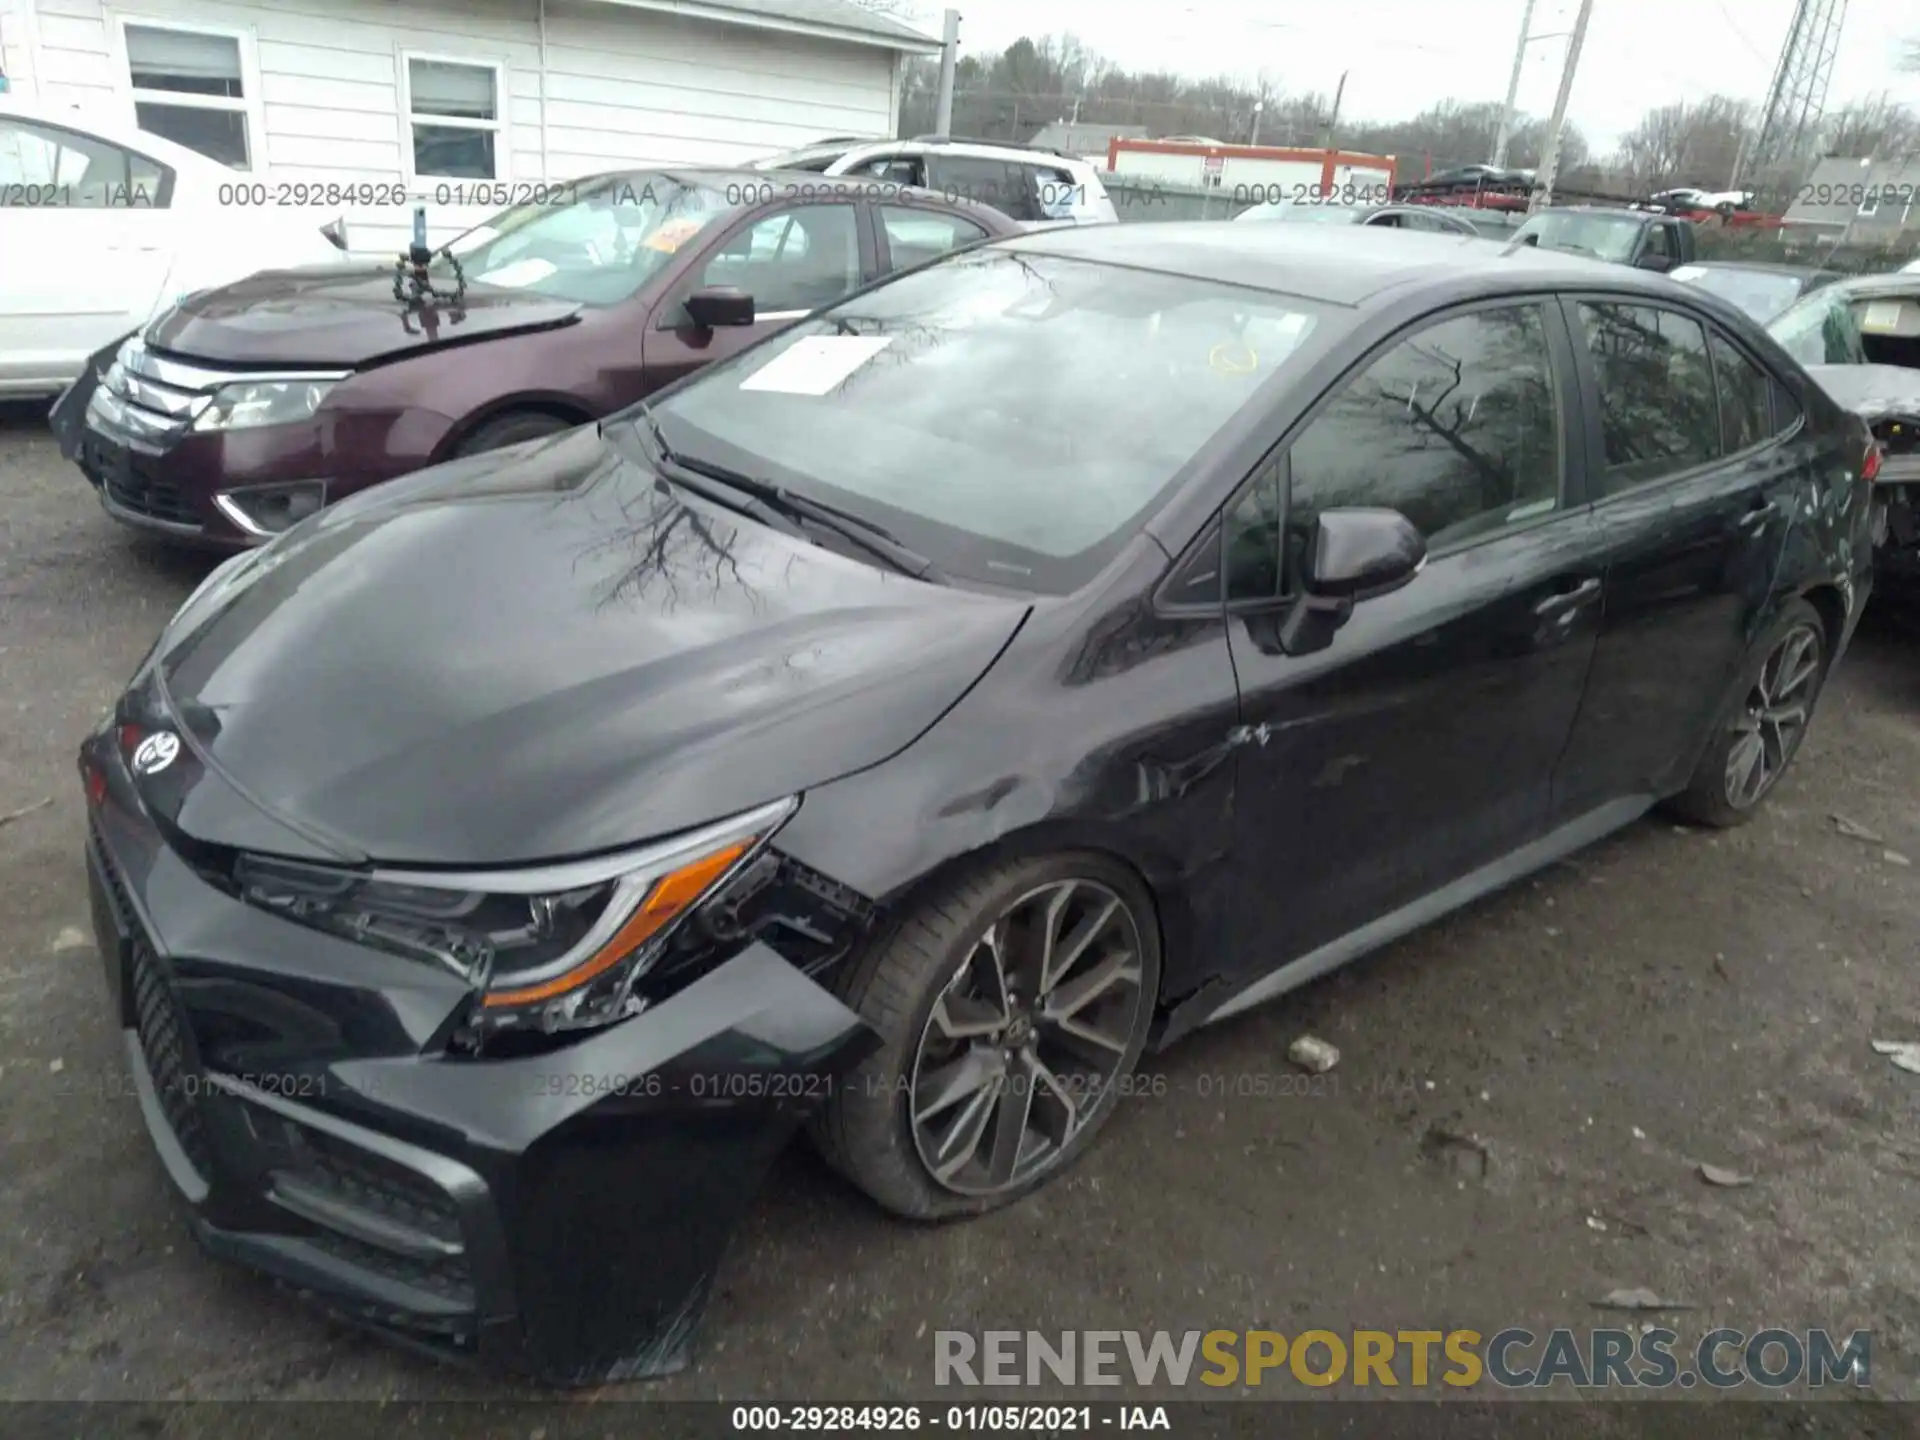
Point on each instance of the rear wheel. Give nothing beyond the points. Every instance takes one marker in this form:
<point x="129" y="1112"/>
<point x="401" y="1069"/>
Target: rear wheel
<point x="1758" y="740"/>
<point x="510" y="429"/>
<point x="1012" y="1007"/>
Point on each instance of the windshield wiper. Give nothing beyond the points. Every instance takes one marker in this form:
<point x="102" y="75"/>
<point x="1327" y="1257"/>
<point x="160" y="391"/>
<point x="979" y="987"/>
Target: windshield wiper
<point x="794" y="509"/>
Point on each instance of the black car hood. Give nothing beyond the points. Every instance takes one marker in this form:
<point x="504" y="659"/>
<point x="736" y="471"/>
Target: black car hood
<point x="1874" y="392"/>
<point x="537" y="654"/>
<point x="339" y="316"/>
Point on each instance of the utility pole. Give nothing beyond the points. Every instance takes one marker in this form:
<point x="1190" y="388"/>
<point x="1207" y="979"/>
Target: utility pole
<point x="1258" y="106"/>
<point x="1550" y="161"/>
<point x="1333" y="120"/>
<point x="949" y="51"/>
<point x="1513" y="89"/>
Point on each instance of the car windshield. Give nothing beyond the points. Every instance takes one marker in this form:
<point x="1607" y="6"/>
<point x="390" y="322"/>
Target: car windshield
<point x="595" y="243"/>
<point x="1763" y="294"/>
<point x="1013" y="417"/>
<point x="1610" y="237"/>
<point x="1820" y="330"/>
<point x="1290" y="211"/>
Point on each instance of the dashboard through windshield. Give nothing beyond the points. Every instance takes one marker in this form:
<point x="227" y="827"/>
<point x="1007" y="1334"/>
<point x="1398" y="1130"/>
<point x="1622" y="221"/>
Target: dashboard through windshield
<point x="1014" y="417"/>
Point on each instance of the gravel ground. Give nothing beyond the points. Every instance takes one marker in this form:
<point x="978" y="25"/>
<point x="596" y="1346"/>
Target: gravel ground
<point x="1668" y="998"/>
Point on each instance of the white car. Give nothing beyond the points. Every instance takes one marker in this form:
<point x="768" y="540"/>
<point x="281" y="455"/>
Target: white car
<point x="1027" y="183"/>
<point x="102" y="226"/>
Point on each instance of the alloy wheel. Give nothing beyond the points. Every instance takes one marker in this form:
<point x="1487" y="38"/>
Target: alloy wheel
<point x="1027" y="1040"/>
<point x="1770" y="727"/>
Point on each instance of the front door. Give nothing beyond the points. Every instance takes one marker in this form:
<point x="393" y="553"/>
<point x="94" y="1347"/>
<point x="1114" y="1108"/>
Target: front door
<point x="1695" y="472"/>
<point x="1420" y="746"/>
<point x="793" y="260"/>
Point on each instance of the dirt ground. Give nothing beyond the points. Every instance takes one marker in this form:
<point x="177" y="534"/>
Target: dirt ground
<point x="1668" y="998"/>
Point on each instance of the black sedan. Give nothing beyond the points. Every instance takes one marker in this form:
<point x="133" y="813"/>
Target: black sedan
<point x="904" y="725"/>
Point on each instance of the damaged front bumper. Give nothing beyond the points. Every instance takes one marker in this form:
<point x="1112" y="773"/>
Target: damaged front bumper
<point x="560" y="1214"/>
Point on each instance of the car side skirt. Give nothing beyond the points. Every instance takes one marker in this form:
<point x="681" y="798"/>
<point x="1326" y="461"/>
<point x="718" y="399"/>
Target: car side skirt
<point x="1220" y="1001"/>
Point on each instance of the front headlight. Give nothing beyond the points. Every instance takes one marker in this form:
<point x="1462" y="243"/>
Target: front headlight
<point x="251" y="403"/>
<point x="555" y="947"/>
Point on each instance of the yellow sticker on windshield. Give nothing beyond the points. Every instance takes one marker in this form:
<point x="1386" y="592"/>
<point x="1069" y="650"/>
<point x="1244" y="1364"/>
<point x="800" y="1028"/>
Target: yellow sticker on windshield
<point x="1231" y="357"/>
<point x="672" y="235"/>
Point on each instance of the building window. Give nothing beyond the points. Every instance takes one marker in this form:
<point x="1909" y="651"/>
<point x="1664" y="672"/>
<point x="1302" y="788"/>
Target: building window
<point x="189" y="86"/>
<point x="453" y="118"/>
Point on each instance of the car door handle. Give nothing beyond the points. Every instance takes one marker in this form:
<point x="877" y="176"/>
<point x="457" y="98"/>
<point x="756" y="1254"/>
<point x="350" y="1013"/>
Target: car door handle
<point x="1758" y="515"/>
<point x="1564" y="602"/>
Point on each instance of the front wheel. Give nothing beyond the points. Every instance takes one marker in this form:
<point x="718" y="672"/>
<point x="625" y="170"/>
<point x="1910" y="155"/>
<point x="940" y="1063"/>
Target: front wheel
<point x="1756" y="742"/>
<point x="1013" y="1007"/>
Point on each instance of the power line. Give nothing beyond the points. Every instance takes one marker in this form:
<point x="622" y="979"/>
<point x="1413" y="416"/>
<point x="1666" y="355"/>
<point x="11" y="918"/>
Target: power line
<point x="1739" y="34"/>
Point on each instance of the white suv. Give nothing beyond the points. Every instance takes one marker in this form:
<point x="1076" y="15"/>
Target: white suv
<point x="1028" y="183"/>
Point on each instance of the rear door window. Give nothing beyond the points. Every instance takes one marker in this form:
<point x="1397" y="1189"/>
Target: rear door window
<point x="915" y="235"/>
<point x="1006" y="187"/>
<point x="1659" y="413"/>
<point x="49" y="167"/>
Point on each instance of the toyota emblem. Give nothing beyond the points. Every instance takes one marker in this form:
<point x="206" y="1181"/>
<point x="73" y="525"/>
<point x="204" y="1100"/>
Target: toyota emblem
<point x="155" y="753"/>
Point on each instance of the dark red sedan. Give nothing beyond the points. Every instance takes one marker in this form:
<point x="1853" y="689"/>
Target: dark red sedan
<point x="247" y="408"/>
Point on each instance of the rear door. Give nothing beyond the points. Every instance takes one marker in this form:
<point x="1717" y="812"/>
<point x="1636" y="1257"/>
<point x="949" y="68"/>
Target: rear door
<point x="84" y="247"/>
<point x="1420" y="746"/>
<point x="1008" y="187"/>
<point x="793" y="259"/>
<point x="1696" y="462"/>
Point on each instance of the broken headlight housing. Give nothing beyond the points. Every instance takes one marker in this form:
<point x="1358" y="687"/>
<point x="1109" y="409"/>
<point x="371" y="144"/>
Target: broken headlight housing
<point x="548" y="948"/>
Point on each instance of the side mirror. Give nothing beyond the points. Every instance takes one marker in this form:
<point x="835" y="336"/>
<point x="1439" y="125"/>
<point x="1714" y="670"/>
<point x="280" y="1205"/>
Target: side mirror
<point x="1651" y="261"/>
<point x="1353" y="555"/>
<point x="1357" y="554"/>
<point x="720" y="307"/>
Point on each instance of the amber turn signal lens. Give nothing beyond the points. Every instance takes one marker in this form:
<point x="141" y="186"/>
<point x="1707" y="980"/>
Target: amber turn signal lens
<point x="672" y="894"/>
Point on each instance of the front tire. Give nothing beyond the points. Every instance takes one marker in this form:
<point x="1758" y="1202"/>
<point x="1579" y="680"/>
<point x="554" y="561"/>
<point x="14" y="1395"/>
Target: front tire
<point x="1012" y="1004"/>
<point x="513" y="428"/>
<point x="1753" y="744"/>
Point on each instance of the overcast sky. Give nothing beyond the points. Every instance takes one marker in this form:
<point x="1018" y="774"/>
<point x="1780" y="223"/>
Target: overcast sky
<point x="1405" y="54"/>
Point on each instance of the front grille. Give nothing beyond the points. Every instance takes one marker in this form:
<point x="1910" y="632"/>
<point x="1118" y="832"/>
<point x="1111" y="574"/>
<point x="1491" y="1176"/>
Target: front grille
<point x="134" y="485"/>
<point x="168" y="1050"/>
<point x="450" y="1279"/>
<point x="373" y="1186"/>
<point x="116" y="888"/>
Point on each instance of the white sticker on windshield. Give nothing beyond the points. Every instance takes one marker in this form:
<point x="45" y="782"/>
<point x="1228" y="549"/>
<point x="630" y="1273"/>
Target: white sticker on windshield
<point x="521" y="272"/>
<point x="1881" y="315"/>
<point x="815" y="365"/>
<point x="1688" y="272"/>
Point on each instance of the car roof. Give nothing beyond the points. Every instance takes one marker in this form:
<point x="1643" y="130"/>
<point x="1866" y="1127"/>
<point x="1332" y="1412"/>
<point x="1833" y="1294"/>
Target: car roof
<point x="982" y="149"/>
<point x="1348" y="266"/>
<point x="1768" y="267"/>
<point x="112" y="127"/>
<point x="790" y="184"/>
<point x="1618" y="212"/>
<point x="1890" y="284"/>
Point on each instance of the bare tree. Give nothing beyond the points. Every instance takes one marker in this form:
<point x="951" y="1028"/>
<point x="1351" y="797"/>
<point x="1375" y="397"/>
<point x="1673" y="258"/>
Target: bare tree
<point x="1874" y="125"/>
<point x="1686" y="143"/>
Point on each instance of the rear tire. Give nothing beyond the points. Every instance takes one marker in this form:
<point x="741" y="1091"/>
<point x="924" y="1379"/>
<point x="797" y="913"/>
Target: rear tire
<point x="512" y="428"/>
<point x="1756" y="739"/>
<point x="995" y="1069"/>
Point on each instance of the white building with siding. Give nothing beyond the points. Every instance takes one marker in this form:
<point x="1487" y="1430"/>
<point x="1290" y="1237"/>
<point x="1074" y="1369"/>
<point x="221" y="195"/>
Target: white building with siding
<point x="438" y="94"/>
